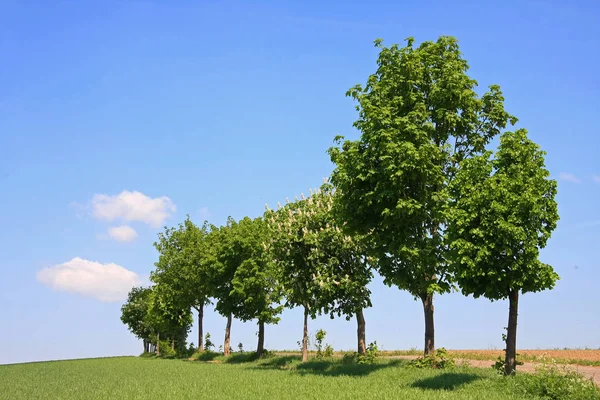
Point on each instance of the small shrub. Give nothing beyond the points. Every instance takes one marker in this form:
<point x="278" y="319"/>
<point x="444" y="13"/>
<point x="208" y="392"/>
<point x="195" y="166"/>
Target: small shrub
<point x="440" y="359"/>
<point x="371" y="354"/>
<point x="553" y="383"/>
<point x="166" y="350"/>
<point x="319" y="337"/>
<point x="267" y="353"/>
<point x="208" y="344"/>
<point x="328" y="353"/>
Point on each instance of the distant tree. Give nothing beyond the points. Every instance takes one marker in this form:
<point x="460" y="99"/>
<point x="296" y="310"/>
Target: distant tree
<point x="322" y="269"/>
<point x="503" y="214"/>
<point x="170" y="321"/>
<point x="134" y="314"/>
<point x="419" y="118"/>
<point x="180" y="266"/>
<point x="256" y="291"/>
<point x="222" y="258"/>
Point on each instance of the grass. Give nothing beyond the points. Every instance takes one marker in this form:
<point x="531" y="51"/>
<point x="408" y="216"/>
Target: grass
<point x="238" y="377"/>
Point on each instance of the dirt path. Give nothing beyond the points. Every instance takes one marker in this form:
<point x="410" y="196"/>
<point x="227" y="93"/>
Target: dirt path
<point x="587" y="371"/>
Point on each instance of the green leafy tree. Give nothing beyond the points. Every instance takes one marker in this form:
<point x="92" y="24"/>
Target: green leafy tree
<point x="256" y="292"/>
<point x="170" y="321"/>
<point x="503" y="214"/>
<point x="322" y="269"/>
<point x="134" y="314"/>
<point x="222" y="258"/>
<point x="419" y="118"/>
<point x="180" y="267"/>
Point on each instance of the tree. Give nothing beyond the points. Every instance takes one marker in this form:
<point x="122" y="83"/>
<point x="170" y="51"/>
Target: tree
<point x="419" y="118"/>
<point x="170" y="321"/>
<point x="322" y="269"/>
<point x="180" y="267"/>
<point x="134" y="314"/>
<point x="256" y="292"/>
<point x="503" y="214"/>
<point x="222" y="258"/>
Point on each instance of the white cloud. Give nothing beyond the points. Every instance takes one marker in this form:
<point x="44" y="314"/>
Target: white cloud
<point x="105" y="282"/>
<point x="204" y="213"/>
<point x="132" y="206"/>
<point x="564" y="176"/>
<point x="596" y="178"/>
<point x="123" y="233"/>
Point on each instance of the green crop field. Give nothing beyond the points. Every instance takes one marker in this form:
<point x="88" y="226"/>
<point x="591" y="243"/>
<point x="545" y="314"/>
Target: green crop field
<point x="273" y="378"/>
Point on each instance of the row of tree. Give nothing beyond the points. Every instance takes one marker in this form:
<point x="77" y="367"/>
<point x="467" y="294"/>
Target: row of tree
<point x="417" y="198"/>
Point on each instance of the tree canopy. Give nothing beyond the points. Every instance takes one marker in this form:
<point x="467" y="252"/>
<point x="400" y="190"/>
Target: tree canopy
<point x="419" y="118"/>
<point x="503" y="213"/>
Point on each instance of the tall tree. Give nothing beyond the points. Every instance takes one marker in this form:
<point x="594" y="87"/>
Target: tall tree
<point x="256" y="292"/>
<point x="134" y="314"/>
<point x="222" y="258"/>
<point x="170" y="320"/>
<point x="322" y="269"/>
<point x="180" y="266"/>
<point x="503" y="214"/>
<point x="419" y="118"/>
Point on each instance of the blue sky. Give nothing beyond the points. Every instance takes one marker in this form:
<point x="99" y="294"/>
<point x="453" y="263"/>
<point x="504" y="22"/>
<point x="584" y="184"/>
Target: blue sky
<point x="136" y="113"/>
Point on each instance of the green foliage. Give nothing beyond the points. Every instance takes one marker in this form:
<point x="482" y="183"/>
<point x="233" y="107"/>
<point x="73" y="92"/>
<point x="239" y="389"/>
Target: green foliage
<point x="321" y="268"/>
<point x="319" y="337"/>
<point x="243" y="281"/>
<point x="419" y="117"/>
<point x="208" y="344"/>
<point x="440" y="359"/>
<point x="240" y="347"/>
<point x="500" y="364"/>
<point x="134" y="313"/>
<point x="180" y="268"/>
<point x="550" y="382"/>
<point x="371" y="354"/>
<point x="322" y="352"/>
<point x="503" y="214"/>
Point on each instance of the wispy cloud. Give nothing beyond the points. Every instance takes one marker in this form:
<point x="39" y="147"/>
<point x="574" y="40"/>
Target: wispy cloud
<point x="596" y="178"/>
<point x="132" y="206"/>
<point x="567" y="177"/>
<point x="123" y="233"/>
<point x="105" y="282"/>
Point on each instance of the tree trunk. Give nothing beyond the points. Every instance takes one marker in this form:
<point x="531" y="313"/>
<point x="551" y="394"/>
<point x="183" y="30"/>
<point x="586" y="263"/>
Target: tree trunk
<point x="173" y="344"/>
<point x="145" y="346"/>
<point x="200" y="328"/>
<point x="361" y="333"/>
<point x="305" y="337"/>
<point x="427" y="300"/>
<point x="227" y="343"/>
<point x="261" y="339"/>
<point x="510" y="363"/>
<point x="158" y="344"/>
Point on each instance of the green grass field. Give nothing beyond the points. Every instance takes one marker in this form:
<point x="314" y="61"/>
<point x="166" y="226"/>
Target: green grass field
<point x="282" y="377"/>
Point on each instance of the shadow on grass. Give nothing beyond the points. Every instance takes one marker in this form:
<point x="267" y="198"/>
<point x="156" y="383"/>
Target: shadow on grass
<point x="238" y="358"/>
<point x="446" y="381"/>
<point x="325" y="367"/>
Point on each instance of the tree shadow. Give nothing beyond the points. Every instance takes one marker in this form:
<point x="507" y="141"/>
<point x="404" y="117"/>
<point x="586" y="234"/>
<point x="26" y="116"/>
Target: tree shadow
<point x="446" y="381"/>
<point x="281" y="362"/>
<point x="325" y="367"/>
<point x="337" y="368"/>
<point x="238" y="358"/>
<point x="208" y="356"/>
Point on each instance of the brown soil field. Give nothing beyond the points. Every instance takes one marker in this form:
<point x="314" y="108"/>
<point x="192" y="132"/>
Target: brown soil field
<point x="562" y="356"/>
